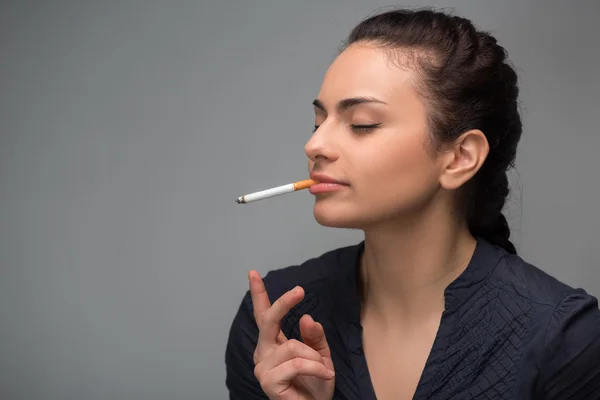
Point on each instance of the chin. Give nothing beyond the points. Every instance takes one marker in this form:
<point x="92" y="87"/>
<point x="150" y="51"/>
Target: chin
<point x="336" y="215"/>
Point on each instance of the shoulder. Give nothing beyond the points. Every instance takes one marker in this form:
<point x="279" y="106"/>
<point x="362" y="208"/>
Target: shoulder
<point x="514" y="274"/>
<point x="562" y="304"/>
<point x="569" y="366"/>
<point x="570" y="335"/>
<point x="314" y="275"/>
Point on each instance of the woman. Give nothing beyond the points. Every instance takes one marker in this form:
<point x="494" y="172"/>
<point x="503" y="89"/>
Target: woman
<point x="416" y="125"/>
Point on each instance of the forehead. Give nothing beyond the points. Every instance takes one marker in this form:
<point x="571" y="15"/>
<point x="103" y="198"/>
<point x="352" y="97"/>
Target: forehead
<point x="363" y="69"/>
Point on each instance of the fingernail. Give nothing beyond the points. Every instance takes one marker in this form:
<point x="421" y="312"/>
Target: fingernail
<point x="296" y="289"/>
<point x="330" y="373"/>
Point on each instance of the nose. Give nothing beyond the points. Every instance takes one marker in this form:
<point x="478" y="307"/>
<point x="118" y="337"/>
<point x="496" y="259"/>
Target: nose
<point x="321" y="146"/>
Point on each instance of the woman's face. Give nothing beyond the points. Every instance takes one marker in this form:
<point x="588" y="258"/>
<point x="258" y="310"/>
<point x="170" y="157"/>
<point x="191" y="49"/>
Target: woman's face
<point x="387" y="166"/>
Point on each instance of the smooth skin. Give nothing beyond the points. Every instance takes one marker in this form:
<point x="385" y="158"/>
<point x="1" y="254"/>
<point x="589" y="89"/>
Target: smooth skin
<point x="288" y="369"/>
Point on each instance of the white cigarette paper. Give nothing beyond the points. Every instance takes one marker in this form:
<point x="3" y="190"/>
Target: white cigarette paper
<point x="276" y="191"/>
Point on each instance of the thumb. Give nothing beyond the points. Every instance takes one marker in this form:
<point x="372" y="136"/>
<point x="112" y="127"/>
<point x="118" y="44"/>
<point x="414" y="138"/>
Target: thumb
<point x="313" y="335"/>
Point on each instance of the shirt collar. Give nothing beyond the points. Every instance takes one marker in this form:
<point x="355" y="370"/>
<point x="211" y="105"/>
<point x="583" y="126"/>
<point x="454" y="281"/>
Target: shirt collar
<point x="483" y="262"/>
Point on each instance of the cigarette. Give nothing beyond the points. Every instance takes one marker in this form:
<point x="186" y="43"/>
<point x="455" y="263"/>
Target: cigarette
<point x="276" y="191"/>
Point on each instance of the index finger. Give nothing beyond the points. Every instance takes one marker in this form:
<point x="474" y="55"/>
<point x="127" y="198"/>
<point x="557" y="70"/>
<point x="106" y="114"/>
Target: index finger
<point x="260" y="299"/>
<point x="270" y="329"/>
<point x="261" y="304"/>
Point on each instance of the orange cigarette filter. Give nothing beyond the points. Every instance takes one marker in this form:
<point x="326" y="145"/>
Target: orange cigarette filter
<point x="305" y="184"/>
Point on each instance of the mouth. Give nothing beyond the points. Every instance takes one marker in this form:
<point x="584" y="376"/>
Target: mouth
<point x="326" y="184"/>
<point x="322" y="178"/>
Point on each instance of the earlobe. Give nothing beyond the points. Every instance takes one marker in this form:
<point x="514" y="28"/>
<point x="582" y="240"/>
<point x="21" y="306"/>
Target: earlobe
<point x="464" y="159"/>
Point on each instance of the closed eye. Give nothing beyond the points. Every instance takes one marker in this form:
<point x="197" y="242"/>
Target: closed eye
<point x="357" y="128"/>
<point x="364" y="128"/>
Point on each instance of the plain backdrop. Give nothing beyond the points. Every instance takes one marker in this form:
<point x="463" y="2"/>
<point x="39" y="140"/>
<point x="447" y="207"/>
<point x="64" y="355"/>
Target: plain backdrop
<point x="128" y="128"/>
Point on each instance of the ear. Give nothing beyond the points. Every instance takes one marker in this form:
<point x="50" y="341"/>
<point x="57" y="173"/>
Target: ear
<point x="463" y="159"/>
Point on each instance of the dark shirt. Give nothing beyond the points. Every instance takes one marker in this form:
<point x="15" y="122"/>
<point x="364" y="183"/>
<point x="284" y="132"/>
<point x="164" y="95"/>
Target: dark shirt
<point x="509" y="331"/>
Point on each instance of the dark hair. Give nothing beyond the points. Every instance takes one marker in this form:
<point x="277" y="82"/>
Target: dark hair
<point x="468" y="84"/>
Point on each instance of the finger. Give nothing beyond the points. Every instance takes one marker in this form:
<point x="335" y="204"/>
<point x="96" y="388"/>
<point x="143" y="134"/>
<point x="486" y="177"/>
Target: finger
<point x="281" y="339"/>
<point x="260" y="301"/>
<point x="288" y="351"/>
<point x="271" y="320"/>
<point x="279" y="378"/>
<point x="260" y="298"/>
<point x="313" y="335"/>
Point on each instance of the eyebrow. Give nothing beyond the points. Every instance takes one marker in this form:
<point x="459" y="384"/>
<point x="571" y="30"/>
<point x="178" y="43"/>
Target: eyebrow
<point x="345" y="104"/>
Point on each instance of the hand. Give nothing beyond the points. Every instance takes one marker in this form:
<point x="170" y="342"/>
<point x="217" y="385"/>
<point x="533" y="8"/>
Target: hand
<point x="289" y="369"/>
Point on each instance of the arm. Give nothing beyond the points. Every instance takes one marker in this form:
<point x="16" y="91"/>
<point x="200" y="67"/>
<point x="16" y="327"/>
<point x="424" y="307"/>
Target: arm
<point x="570" y="368"/>
<point x="239" y="363"/>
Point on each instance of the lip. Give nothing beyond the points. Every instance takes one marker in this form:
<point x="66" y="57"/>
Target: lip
<point x="325" y="184"/>
<point x="326" y="187"/>
<point x="322" y="178"/>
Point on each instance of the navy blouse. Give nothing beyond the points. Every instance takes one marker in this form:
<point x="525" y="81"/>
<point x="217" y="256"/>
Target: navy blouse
<point x="509" y="331"/>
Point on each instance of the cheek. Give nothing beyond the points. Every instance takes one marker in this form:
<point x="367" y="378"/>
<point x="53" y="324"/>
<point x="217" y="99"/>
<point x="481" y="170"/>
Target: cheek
<point x="398" y="171"/>
<point x="397" y="159"/>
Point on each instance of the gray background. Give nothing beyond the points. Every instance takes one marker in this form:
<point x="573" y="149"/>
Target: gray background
<point x="128" y="128"/>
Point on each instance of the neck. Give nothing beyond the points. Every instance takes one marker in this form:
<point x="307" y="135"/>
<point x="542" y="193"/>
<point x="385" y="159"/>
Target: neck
<point x="407" y="265"/>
